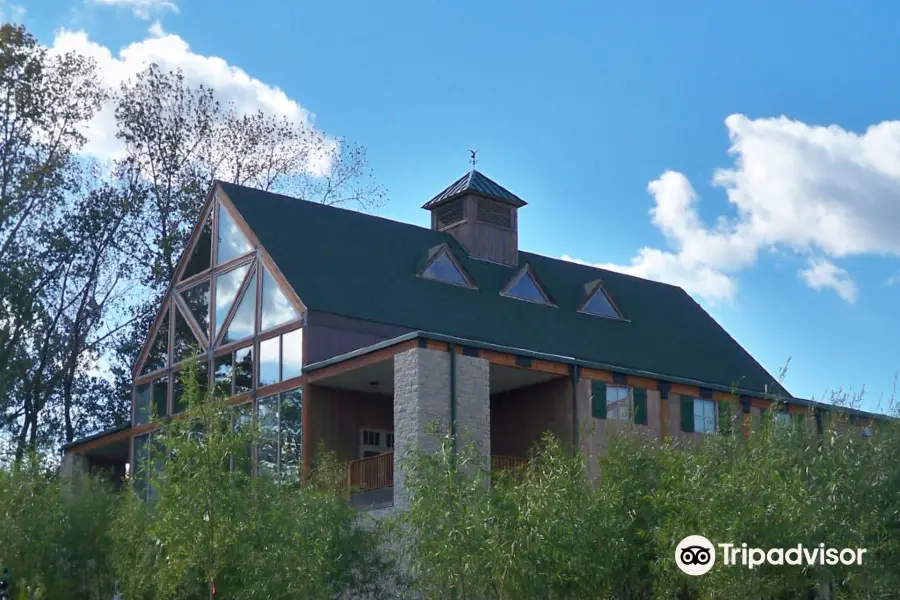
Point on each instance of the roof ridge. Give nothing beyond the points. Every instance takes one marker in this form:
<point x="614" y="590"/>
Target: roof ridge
<point x="320" y="205"/>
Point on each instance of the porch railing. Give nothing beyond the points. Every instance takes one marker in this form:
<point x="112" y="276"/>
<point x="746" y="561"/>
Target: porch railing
<point x="503" y="463"/>
<point x="376" y="472"/>
<point x="371" y="473"/>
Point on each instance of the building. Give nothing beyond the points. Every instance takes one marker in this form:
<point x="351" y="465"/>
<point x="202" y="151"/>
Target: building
<point x="334" y="326"/>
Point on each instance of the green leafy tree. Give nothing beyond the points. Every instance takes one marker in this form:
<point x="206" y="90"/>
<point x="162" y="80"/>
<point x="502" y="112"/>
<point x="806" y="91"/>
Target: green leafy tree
<point x="196" y="523"/>
<point x="55" y="537"/>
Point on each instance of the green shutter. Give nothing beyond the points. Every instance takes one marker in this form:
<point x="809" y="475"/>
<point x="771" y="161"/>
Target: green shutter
<point x="724" y="417"/>
<point x="640" y="406"/>
<point x="687" y="413"/>
<point x="598" y="399"/>
<point x="799" y="421"/>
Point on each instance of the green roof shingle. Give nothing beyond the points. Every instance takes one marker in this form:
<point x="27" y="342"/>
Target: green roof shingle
<point x="348" y="263"/>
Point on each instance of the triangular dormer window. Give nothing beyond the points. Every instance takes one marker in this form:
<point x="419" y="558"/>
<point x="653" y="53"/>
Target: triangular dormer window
<point x="444" y="268"/>
<point x="524" y="286"/>
<point x="599" y="303"/>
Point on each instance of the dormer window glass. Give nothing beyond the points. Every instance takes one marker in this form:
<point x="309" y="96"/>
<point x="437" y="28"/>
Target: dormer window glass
<point x="444" y="269"/>
<point x="600" y="304"/>
<point x="525" y="287"/>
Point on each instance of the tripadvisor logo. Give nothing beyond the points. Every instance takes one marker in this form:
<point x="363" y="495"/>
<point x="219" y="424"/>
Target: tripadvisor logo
<point x="696" y="555"/>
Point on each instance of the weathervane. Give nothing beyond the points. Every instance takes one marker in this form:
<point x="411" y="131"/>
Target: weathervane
<point x="473" y="160"/>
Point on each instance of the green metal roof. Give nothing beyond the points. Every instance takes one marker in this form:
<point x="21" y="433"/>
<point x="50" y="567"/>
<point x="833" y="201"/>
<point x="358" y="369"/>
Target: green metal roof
<point x="475" y="182"/>
<point x="348" y="263"/>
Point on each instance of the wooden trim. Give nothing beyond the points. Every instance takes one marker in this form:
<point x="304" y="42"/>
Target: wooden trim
<point x="596" y="374"/>
<point x="148" y="341"/>
<point x="105" y="441"/>
<point x="360" y="361"/>
<point x="439" y="346"/>
<point x="234" y="306"/>
<point x="228" y="349"/>
<point x="214" y="246"/>
<point x="641" y="382"/>
<point x="282" y="386"/>
<point x="195" y="280"/>
<point x="242" y="398"/>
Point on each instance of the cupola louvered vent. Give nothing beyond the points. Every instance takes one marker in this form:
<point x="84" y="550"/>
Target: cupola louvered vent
<point x="449" y="214"/>
<point x="494" y="213"/>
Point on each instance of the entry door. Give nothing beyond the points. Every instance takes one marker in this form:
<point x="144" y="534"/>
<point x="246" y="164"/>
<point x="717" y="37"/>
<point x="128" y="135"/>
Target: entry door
<point x="373" y="442"/>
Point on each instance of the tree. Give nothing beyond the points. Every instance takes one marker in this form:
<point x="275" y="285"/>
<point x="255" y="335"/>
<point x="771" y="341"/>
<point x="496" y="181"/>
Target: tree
<point x="197" y="522"/>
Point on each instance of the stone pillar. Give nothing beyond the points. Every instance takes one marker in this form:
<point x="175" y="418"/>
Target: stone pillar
<point x="422" y="395"/>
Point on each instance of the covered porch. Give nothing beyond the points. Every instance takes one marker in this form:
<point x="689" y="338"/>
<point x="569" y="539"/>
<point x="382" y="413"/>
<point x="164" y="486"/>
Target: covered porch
<point x="369" y="407"/>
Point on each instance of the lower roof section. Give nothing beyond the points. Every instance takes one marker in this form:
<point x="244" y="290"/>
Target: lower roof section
<point x="422" y="339"/>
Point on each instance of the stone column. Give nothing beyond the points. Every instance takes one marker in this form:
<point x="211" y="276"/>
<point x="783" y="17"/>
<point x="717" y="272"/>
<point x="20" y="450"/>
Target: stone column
<point x="422" y="395"/>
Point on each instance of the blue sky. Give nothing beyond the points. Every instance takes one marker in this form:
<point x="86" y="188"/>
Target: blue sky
<point x="760" y="136"/>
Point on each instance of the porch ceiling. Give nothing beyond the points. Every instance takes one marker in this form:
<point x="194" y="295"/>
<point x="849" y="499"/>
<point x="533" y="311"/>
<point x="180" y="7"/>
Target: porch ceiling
<point x="504" y="379"/>
<point x="378" y="378"/>
<point x="374" y="378"/>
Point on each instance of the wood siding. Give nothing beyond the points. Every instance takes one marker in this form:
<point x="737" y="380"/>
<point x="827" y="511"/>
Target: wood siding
<point x="338" y="415"/>
<point x="519" y="417"/>
<point x="484" y="240"/>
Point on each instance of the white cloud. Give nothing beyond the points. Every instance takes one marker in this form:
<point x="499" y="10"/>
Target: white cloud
<point x="169" y="51"/>
<point x="821" y="274"/>
<point x="142" y="9"/>
<point x="893" y="279"/>
<point x="805" y="188"/>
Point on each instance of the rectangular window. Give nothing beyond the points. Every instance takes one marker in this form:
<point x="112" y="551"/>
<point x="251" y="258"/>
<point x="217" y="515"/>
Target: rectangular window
<point x="269" y="371"/>
<point x="291" y="437"/>
<point x="705" y="416"/>
<point x="781" y="419"/>
<point x="618" y="402"/>
<point x="267" y="417"/>
<point x="291" y="354"/>
<point x="243" y="370"/>
<point x="243" y="419"/>
<point x="142" y="404"/>
<point x="223" y="376"/>
<point x="161" y="397"/>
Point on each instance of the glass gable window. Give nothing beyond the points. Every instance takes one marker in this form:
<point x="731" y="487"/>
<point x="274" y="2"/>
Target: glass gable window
<point x="227" y="287"/>
<point x="276" y="308"/>
<point x="230" y="241"/>
<point x="444" y="269"/>
<point x="526" y="288"/>
<point x="241" y="326"/>
<point x="201" y="253"/>
<point x="158" y="355"/>
<point x="231" y="297"/>
<point x="618" y="402"/>
<point x="705" y="416"/>
<point x="599" y="304"/>
<point x="185" y="344"/>
<point x="197" y="300"/>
